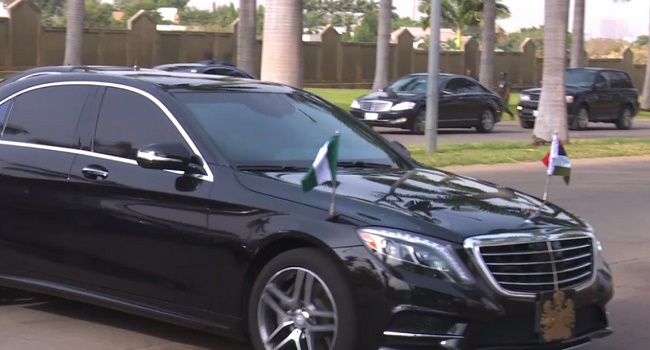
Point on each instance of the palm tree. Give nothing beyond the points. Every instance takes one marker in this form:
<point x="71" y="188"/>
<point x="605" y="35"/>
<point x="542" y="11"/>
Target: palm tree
<point x="461" y="14"/>
<point x="578" y="44"/>
<point x="552" y="105"/>
<point x="246" y="36"/>
<point x="74" y="32"/>
<point x="383" y="44"/>
<point x="486" y="72"/>
<point x="282" y="58"/>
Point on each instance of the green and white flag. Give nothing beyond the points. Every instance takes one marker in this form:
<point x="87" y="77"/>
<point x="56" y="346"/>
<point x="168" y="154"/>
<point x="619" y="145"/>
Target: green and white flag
<point x="323" y="169"/>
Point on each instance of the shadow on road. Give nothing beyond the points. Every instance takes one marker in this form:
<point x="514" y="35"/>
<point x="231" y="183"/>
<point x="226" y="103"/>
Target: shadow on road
<point x="131" y="323"/>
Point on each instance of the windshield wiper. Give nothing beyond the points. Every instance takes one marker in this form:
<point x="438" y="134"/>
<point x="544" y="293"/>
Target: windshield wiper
<point x="270" y="168"/>
<point x="361" y="164"/>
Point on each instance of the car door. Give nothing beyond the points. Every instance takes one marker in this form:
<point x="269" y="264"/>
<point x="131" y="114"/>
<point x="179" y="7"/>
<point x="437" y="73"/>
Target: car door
<point x="450" y="105"/>
<point x="38" y="146"/>
<point x="602" y="100"/>
<point x="139" y="231"/>
<point x="462" y="102"/>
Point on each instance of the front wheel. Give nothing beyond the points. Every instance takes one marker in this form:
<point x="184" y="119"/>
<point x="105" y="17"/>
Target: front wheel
<point x="625" y="121"/>
<point x="300" y="300"/>
<point x="526" y="124"/>
<point x="486" y="122"/>
<point x="581" y="120"/>
<point x="419" y="123"/>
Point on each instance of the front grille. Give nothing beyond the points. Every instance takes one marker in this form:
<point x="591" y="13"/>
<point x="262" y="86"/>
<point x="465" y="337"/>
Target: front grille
<point x="541" y="265"/>
<point x="376" y="106"/>
<point x="534" y="97"/>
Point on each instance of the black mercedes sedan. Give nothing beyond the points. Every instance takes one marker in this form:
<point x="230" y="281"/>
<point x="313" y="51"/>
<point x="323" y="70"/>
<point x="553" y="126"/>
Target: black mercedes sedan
<point x="178" y="197"/>
<point x="463" y="103"/>
<point x="207" y="67"/>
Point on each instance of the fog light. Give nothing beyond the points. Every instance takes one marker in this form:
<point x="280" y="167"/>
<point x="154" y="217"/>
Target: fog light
<point x="520" y="108"/>
<point x="397" y="121"/>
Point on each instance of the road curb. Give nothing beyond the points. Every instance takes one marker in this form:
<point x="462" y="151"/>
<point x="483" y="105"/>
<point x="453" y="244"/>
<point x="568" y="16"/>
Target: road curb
<point x="528" y="165"/>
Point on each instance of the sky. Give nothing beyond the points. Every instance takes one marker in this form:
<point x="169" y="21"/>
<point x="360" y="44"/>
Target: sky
<point x="528" y="13"/>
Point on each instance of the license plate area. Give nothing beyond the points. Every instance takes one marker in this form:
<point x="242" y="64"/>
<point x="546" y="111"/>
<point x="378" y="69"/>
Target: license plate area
<point x="555" y="318"/>
<point x="371" y="116"/>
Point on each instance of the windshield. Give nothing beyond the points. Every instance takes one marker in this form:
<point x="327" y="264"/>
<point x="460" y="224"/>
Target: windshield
<point x="280" y="129"/>
<point x="579" y="77"/>
<point x="411" y="83"/>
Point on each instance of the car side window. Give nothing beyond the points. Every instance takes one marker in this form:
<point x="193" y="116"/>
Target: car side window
<point x="623" y="80"/>
<point x="601" y="82"/>
<point x="47" y="116"/>
<point x="226" y="72"/>
<point x="129" y="121"/>
<point x="4" y="111"/>
<point x="460" y="86"/>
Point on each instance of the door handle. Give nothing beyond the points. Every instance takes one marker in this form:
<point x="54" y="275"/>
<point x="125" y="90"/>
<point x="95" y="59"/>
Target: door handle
<point x="94" y="172"/>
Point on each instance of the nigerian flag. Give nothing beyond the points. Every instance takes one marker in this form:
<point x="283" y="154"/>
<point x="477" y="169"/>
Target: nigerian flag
<point x="557" y="161"/>
<point x="324" y="167"/>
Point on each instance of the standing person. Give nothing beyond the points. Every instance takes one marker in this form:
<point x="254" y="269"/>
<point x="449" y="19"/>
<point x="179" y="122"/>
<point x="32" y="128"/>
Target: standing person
<point x="468" y="72"/>
<point x="504" y="92"/>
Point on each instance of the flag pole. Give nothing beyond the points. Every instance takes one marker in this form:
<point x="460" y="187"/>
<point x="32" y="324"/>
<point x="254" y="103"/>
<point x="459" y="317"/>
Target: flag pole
<point x="333" y="201"/>
<point x="548" y="176"/>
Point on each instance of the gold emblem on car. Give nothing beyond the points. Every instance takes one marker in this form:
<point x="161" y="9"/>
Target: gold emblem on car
<point x="558" y="318"/>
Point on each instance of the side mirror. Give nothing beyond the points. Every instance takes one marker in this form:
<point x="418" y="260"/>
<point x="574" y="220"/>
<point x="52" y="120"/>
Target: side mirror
<point x="164" y="156"/>
<point x="402" y="148"/>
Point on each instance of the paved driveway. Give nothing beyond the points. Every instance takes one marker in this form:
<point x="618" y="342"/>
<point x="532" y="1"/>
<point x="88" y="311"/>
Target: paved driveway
<point x="613" y="195"/>
<point x="511" y="131"/>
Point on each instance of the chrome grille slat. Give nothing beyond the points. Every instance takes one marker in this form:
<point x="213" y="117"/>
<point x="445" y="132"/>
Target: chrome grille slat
<point x="531" y="263"/>
<point x="539" y="252"/>
<point x="376" y="106"/>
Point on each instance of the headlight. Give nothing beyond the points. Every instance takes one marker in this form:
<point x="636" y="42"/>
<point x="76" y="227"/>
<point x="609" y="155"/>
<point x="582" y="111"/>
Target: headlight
<point x="422" y="255"/>
<point x="403" y="106"/>
<point x="569" y="99"/>
<point x="355" y="104"/>
<point x="524" y="98"/>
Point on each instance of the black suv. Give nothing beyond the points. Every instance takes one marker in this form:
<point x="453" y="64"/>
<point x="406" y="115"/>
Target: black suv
<point x="207" y="67"/>
<point x="178" y="197"/>
<point x="592" y="95"/>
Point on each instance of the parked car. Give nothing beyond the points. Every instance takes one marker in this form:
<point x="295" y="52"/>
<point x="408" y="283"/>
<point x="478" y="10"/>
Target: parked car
<point x="178" y="197"/>
<point x="595" y="95"/>
<point x="463" y="103"/>
<point x="207" y="67"/>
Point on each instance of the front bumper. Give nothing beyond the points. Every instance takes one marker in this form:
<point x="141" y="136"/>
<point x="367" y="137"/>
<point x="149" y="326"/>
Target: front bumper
<point x="527" y="111"/>
<point x="399" y="119"/>
<point x="402" y="311"/>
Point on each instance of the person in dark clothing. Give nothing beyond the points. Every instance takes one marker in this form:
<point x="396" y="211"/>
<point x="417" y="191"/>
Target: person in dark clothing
<point x="504" y="92"/>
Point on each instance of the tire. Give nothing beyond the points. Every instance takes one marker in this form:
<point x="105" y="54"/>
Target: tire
<point x="331" y="297"/>
<point x="625" y="120"/>
<point x="526" y="124"/>
<point x="581" y="120"/>
<point x="486" y="122"/>
<point x="419" y="124"/>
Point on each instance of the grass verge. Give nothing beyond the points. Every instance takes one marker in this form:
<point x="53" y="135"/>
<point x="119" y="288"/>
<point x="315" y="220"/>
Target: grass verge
<point x="344" y="97"/>
<point x="514" y="152"/>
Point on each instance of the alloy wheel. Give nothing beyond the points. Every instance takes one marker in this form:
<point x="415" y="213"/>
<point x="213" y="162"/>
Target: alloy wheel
<point x="626" y="119"/>
<point x="583" y="119"/>
<point x="487" y="120"/>
<point x="297" y="311"/>
<point x="420" y="124"/>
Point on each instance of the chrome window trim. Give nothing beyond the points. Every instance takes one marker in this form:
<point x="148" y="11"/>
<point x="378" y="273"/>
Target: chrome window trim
<point x="472" y="246"/>
<point x="208" y="177"/>
<point x="37" y="74"/>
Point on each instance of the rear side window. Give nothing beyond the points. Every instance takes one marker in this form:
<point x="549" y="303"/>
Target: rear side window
<point x="129" y="121"/>
<point x="622" y="81"/>
<point x="226" y="72"/>
<point x="46" y="116"/>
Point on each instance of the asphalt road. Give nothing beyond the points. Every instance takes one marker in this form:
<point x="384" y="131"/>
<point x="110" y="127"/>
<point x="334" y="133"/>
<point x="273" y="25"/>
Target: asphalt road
<point x="512" y="131"/>
<point x="611" y="194"/>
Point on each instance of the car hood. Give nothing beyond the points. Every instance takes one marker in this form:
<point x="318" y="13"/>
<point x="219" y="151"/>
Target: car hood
<point x="426" y="201"/>
<point x="570" y="89"/>
<point x="392" y="96"/>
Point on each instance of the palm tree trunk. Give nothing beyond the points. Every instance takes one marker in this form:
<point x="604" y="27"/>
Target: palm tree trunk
<point x="645" y="99"/>
<point x="282" y="58"/>
<point x="486" y="74"/>
<point x="552" y="105"/>
<point x="382" y="66"/>
<point x="246" y="38"/>
<point x="578" y="43"/>
<point x="74" y="32"/>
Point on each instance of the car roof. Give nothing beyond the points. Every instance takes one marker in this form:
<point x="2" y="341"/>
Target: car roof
<point x="166" y="80"/>
<point x="597" y="69"/>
